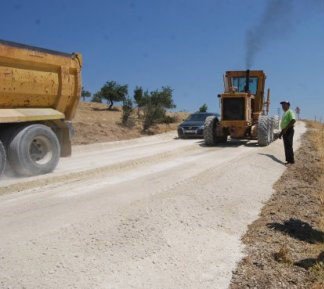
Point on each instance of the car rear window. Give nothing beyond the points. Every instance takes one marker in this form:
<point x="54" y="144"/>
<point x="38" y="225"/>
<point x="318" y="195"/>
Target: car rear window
<point x="198" y="117"/>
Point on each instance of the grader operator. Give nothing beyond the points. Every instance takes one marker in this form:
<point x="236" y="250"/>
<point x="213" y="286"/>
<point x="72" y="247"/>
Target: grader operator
<point x="244" y="111"/>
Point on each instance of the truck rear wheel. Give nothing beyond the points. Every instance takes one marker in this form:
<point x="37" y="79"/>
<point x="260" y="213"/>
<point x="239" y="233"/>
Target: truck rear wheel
<point x="34" y="150"/>
<point x="3" y="158"/>
<point x="265" y="130"/>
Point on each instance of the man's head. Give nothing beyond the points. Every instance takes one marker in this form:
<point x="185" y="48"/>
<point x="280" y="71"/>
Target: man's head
<point x="285" y="105"/>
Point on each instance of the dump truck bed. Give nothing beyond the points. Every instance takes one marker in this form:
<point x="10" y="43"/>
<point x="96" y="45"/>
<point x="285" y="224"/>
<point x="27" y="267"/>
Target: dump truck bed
<point x="33" y="78"/>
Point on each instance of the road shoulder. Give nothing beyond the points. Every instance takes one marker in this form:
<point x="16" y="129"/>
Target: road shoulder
<point x="285" y="246"/>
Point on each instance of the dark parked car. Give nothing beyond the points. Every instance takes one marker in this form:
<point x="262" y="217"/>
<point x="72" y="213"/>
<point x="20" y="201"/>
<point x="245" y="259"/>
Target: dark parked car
<point x="193" y="126"/>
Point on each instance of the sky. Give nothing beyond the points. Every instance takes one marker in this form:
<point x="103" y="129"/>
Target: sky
<point x="184" y="44"/>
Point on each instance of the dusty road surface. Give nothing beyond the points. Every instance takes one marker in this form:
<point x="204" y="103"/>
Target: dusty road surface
<point x="149" y="213"/>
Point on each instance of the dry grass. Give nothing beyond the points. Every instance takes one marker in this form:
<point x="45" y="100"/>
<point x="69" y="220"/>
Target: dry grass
<point x="285" y="246"/>
<point x="283" y="255"/>
<point x="317" y="136"/>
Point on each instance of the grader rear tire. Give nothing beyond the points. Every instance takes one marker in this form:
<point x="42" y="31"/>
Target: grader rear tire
<point x="3" y="159"/>
<point x="209" y="130"/>
<point x="275" y="122"/>
<point x="265" y="130"/>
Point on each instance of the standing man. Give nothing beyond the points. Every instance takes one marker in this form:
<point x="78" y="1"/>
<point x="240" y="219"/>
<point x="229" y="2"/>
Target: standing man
<point x="287" y="131"/>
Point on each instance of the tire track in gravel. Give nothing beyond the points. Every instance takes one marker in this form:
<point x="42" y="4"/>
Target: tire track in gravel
<point x="174" y="222"/>
<point x="114" y="187"/>
<point x="21" y="184"/>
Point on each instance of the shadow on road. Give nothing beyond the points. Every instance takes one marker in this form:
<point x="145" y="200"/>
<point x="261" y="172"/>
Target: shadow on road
<point x="224" y="145"/>
<point x="114" y="109"/>
<point x="252" y="144"/>
<point x="299" y="230"/>
<point x="188" y="138"/>
<point x="310" y="262"/>
<point x="273" y="158"/>
<point x="232" y="143"/>
<point x="306" y="263"/>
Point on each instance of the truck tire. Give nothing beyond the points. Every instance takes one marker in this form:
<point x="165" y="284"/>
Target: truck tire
<point x="3" y="159"/>
<point x="33" y="150"/>
<point x="265" y="131"/>
<point x="209" y="130"/>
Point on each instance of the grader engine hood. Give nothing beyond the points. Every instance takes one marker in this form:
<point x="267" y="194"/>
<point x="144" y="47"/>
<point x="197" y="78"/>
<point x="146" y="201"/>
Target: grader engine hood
<point x="236" y="106"/>
<point x="233" y="108"/>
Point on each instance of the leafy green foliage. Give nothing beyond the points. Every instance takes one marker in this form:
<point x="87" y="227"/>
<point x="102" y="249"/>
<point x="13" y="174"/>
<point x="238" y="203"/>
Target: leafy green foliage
<point x="112" y="91"/>
<point x="203" y="108"/>
<point x="127" y="110"/>
<point x="138" y="96"/>
<point x="97" y="97"/>
<point x="169" y="119"/>
<point x="154" y="106"/>
<point x="85" y="93"/>
<point x="163" y="97"/>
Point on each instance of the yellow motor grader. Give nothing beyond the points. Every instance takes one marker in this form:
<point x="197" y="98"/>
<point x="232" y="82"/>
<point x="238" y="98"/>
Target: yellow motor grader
<point x="244" y="110"/>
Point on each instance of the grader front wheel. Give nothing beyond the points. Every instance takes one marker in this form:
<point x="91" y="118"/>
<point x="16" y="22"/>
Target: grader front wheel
<point x="210" y="136"/>
<point x="209" y="130"/>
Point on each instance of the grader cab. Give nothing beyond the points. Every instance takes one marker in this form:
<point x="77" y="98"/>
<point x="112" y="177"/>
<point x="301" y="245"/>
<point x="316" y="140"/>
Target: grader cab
<point x="244" y="110"/>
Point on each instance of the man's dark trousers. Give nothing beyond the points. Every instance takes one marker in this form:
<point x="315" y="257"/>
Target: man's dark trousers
<point x="288" y="144"/>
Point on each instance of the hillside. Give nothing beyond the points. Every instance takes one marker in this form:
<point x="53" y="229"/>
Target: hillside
<point x="93" y="123"/>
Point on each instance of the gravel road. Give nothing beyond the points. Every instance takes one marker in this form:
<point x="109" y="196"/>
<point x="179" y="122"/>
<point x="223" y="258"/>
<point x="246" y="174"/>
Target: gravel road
<point x="149" y="213"/>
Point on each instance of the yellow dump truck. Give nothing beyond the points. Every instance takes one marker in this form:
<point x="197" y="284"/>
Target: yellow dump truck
<point x="39" y="93"/>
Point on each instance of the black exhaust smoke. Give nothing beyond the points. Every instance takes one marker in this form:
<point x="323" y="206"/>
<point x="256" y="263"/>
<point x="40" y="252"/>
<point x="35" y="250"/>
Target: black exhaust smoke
<point x="278" y="21"/>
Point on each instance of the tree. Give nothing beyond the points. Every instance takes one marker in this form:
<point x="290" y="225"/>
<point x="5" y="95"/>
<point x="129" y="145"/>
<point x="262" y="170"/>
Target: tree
<point x="138" y="96"/>
<point x="85" y="93"/>
<point x="112" y="91"/>
<point x="97" y="97"/>
<point x="163" y="97"/>
<point x="127" y="110"/>
<point x="203" y="108"/>
<point x="155" y="104"/>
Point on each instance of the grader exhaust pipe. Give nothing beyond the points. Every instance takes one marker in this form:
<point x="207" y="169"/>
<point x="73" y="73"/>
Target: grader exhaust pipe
<point x="247" y="81"/>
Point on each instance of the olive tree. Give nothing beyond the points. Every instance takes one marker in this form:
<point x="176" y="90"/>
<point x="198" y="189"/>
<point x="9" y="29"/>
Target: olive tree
<point x="155" y="104"/>
<point x="113" y="92"/>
